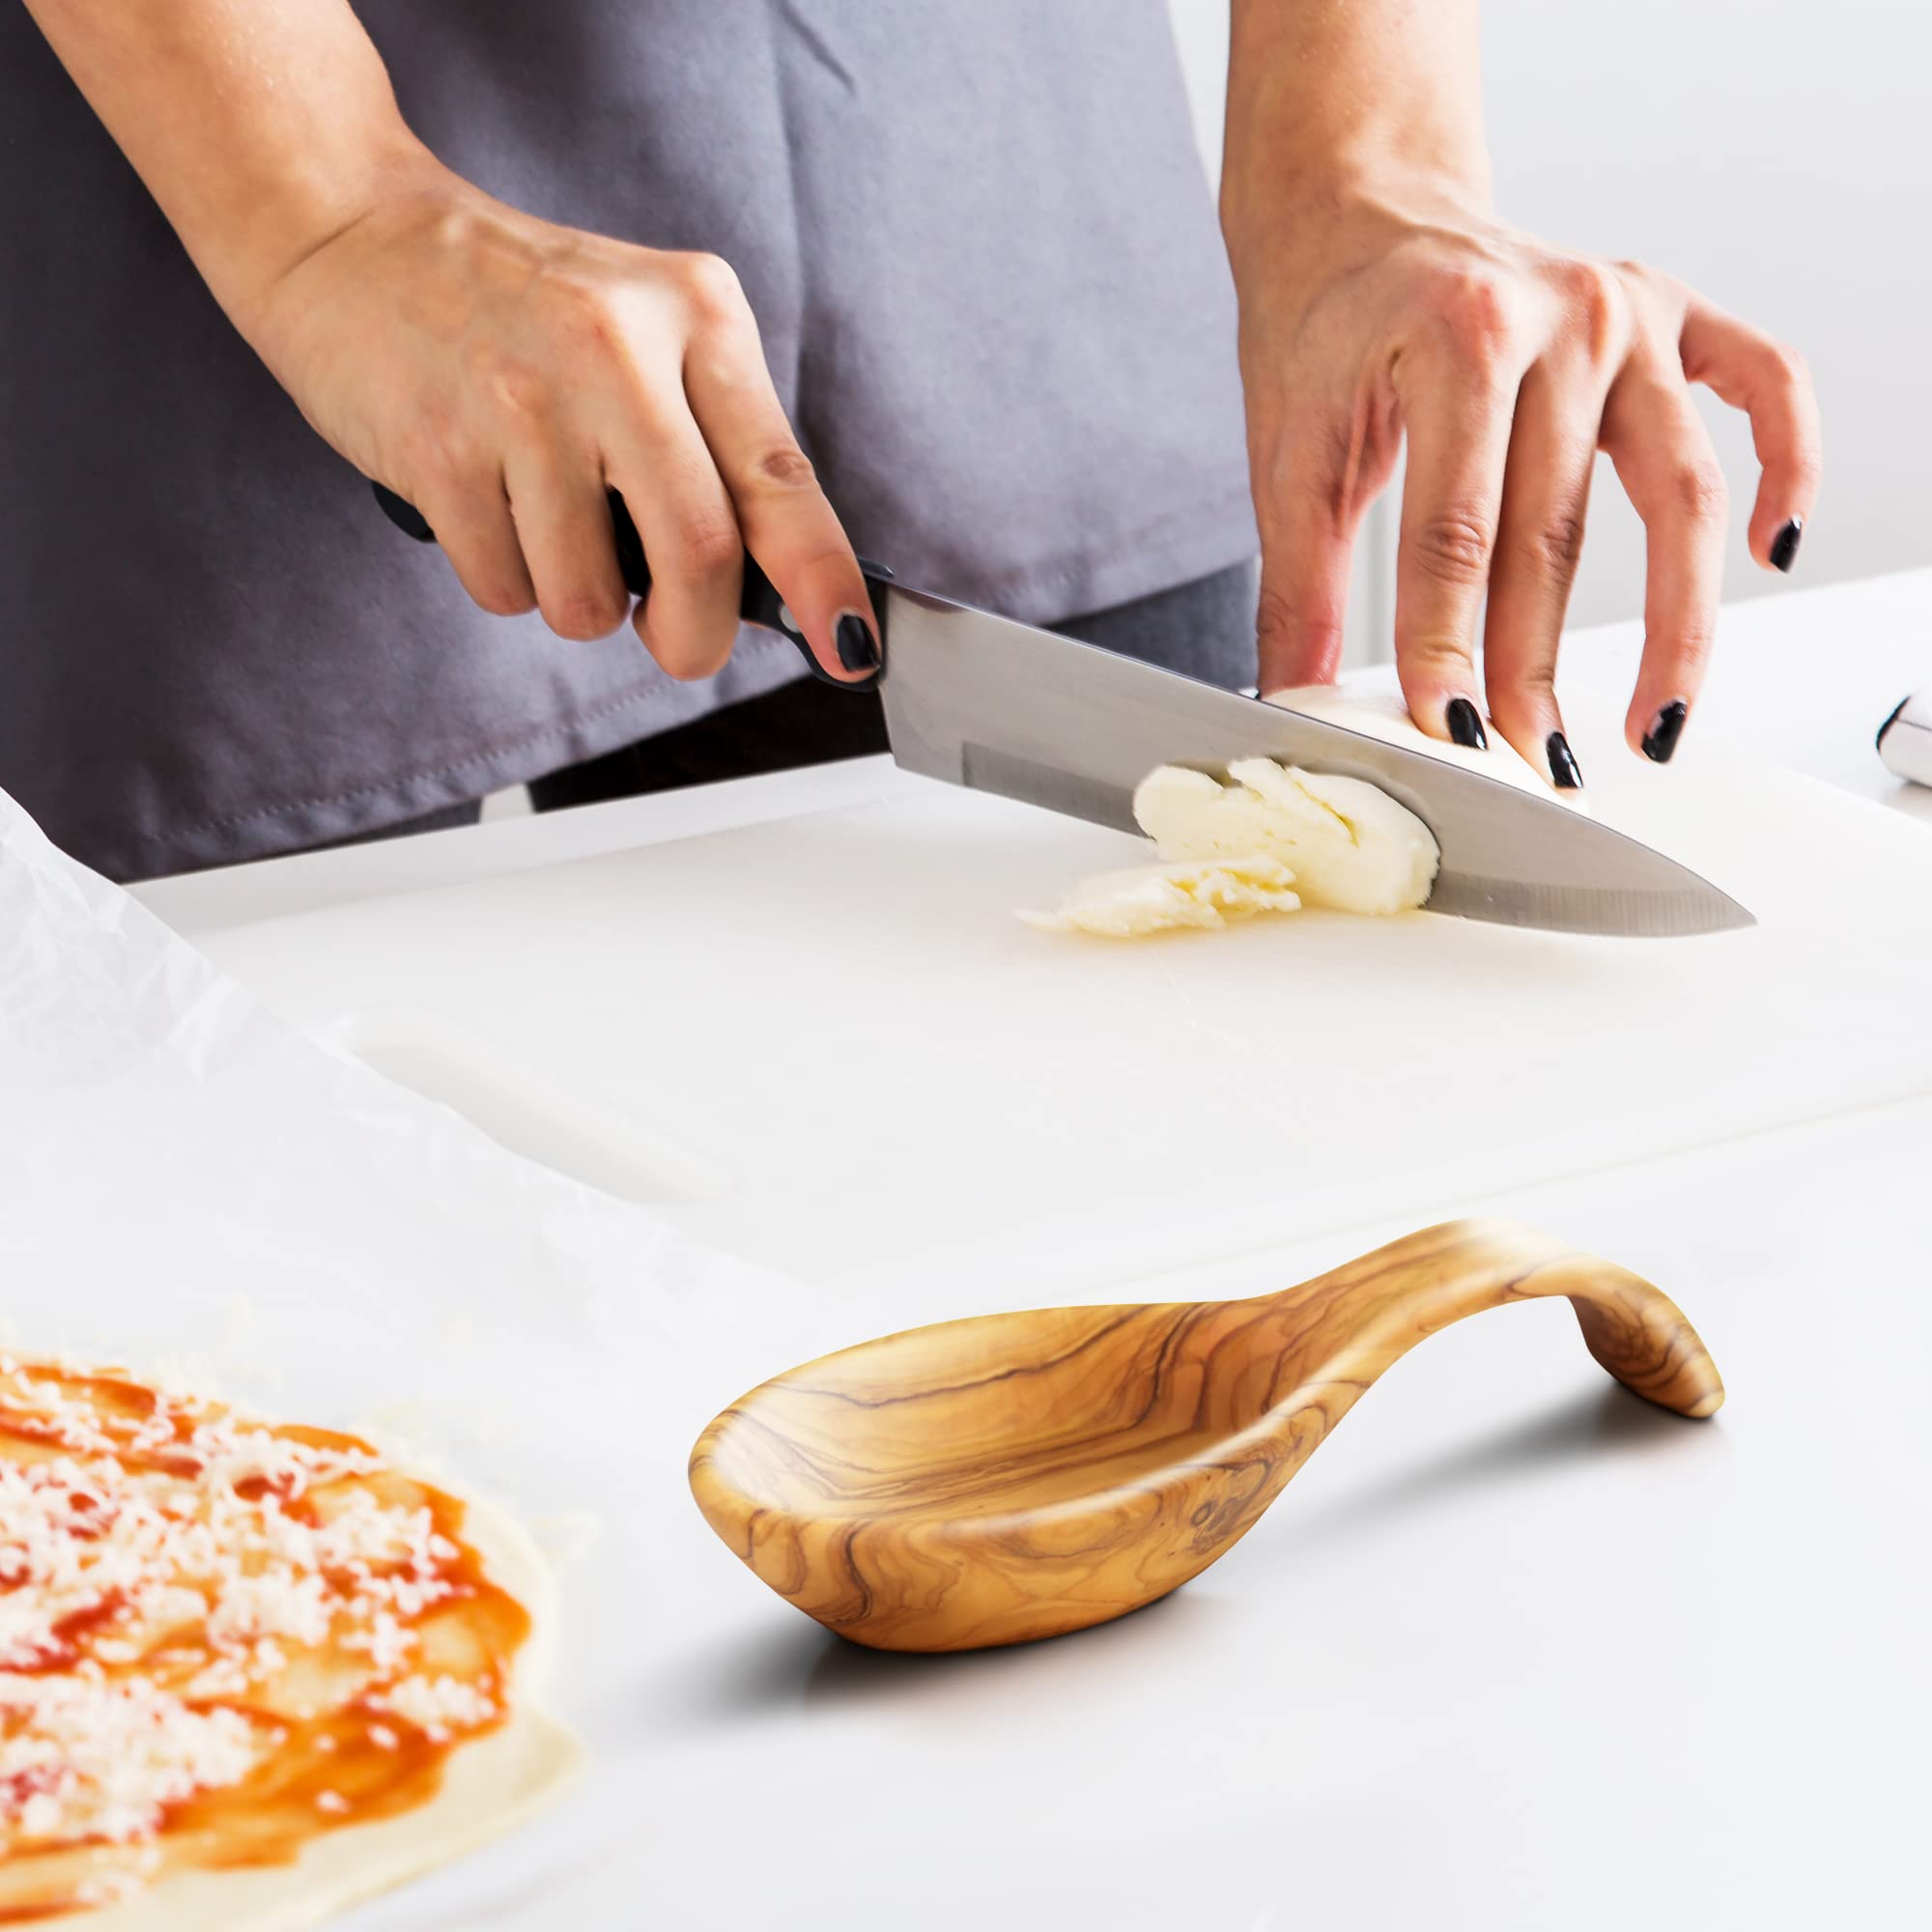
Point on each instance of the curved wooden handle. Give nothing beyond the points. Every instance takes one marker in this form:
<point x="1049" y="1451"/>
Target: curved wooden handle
<point x="1364" y="1316"/>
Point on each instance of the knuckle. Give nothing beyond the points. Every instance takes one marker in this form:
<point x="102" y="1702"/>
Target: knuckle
<point x="1594" y="298"/>
<point x="1698" y="490"/>
<point x="1315" y="471"/>
<point x="1476" y="313"/>
<point x="1521" y="699"/>
<point x="783" y="467"/>
<point x="1275" y="614"/>
<point x="1453" y="547"/>
<point x="1279" y="620"/>
<point x="709" y="546"/>
<point x="674" y="657"/>
<point x="1554" y="547"/>
<point x="685" y="654"/>
<point x="712" y="291"/>
<point x="1792" y="370"/>
<point x="727" y="365"/>
<point x="691" y="668"/>
<point x="818" y="565"/>
<point x="504" y="600"/>
<point x="1535" y="682"/>
<point x="1432" y="659"/>
<point x="583" y="613"/>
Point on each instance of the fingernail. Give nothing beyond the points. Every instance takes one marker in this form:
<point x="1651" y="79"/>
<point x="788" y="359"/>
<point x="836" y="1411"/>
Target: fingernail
<point x="1666" y="729"/>
<point x="858" y="648"/>
<point x="1564" y="772"/>
<point x="1465" y="724"/>
<point x="1784" y="545"/>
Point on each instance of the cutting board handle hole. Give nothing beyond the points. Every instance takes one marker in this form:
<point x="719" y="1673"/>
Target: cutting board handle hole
<point x="530" y="1112"/>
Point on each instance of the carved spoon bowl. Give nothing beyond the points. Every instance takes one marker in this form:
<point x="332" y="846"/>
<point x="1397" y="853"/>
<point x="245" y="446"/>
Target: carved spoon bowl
<point x="1018" y="1476"/>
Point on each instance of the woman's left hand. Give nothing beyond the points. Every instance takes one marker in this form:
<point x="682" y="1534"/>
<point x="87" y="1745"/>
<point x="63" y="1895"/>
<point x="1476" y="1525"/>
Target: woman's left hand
<point x="1374" y="314"/>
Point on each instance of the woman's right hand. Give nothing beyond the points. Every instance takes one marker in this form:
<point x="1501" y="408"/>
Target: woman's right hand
<point x="499" y="372"/>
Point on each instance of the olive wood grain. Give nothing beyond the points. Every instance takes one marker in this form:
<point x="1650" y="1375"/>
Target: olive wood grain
<point x="1017" y="1476"/>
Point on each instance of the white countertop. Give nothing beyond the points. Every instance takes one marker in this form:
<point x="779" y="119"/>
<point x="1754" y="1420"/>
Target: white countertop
<point x="1515" y="1650"/>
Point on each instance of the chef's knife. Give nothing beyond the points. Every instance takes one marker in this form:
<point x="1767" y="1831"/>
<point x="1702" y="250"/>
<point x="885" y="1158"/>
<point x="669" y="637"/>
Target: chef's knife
<point x="998" y="706"/>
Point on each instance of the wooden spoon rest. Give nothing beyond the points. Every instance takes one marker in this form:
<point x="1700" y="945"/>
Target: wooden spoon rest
<point x="1017" y="1476"/>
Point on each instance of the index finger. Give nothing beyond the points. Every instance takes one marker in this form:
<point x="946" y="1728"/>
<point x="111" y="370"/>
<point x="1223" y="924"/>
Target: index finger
<point x="788" y="525"/>
<point x="1307" y="506"/>
<point x="1459" y="433"/>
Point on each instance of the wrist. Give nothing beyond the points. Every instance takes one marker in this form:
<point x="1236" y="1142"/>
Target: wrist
<point x="284" y="216"/>
<point x="1300" y="194"/>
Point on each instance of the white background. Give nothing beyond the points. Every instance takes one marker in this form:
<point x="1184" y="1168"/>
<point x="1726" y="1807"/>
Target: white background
<point x="1774" y="155"/>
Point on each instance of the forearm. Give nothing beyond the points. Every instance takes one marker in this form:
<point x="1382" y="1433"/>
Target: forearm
<point x="261" y="126"/>
<point x="1321" y="92"/>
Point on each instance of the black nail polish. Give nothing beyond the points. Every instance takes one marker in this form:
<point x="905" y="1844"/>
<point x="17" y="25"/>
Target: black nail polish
<point x="1784" y="545"/>
<point x="1666" y="729"/>
<point x="1564" y="771"/>
<point x="1465" y="724"/>
<point x="858" y="648"/>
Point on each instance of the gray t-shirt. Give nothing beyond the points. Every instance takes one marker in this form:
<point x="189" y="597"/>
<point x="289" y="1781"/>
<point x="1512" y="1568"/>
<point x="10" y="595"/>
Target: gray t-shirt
<point x="984" y="256"/>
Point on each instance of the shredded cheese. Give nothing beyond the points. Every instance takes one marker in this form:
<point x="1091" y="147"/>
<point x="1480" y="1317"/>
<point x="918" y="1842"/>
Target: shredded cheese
<point x="178" y="1586"/>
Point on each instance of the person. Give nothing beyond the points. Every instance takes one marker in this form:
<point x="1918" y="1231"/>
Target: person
<point x="788" y="274"/>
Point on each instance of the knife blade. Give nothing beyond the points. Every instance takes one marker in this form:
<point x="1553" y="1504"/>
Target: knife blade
<point x="998" y="706"/>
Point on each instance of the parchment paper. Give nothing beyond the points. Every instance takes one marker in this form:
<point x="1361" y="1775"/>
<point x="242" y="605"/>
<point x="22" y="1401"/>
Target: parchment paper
<point x="185" y="1182"/>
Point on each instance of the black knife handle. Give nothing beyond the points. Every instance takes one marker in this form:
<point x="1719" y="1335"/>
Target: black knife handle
<point x="760" y="605"/>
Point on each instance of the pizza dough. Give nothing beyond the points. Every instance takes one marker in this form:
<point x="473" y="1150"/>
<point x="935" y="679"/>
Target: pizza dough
<point x="489" y="1788"/>
<point x="249" y="1673"/>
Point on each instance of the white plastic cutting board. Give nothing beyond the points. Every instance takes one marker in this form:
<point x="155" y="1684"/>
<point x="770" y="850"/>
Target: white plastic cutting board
<point x="858" y="1060"/>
